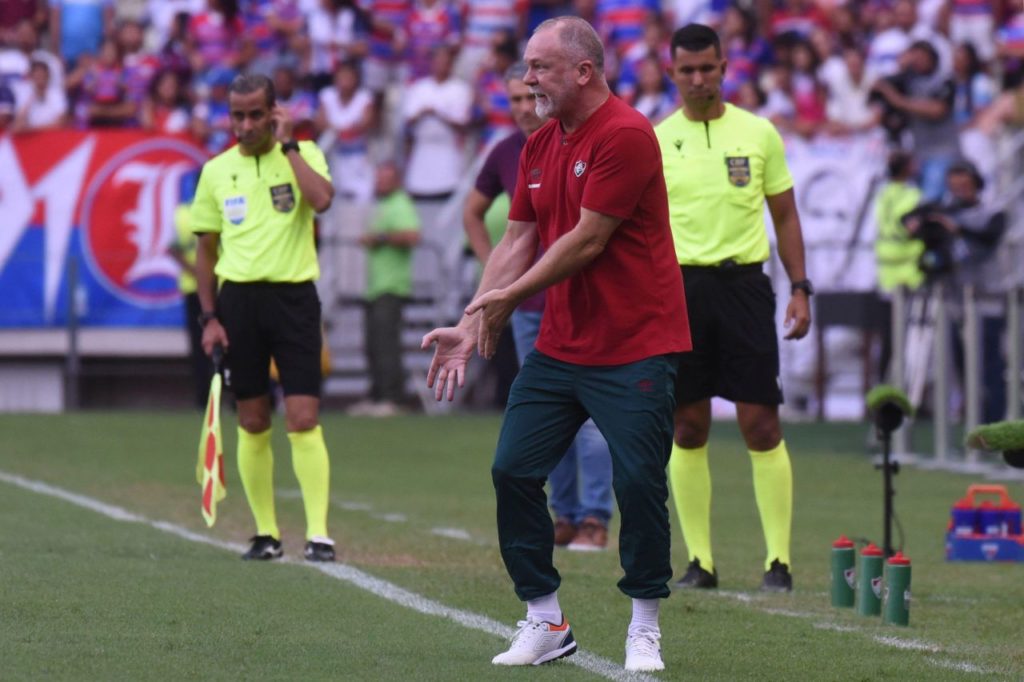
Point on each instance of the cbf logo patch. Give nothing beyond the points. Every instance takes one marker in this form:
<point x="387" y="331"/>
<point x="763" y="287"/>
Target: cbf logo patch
<point x="235" y="209"/>
<point x="283" y="197"/>
<point x="579" y="168"/>
<point x="739" y="170"/>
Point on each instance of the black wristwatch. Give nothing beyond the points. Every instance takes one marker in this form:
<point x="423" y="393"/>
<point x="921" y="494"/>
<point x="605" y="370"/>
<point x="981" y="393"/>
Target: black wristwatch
<point x="803" y="285"/>
<point x="206" y="317"/>
<point x="289" y="146"/>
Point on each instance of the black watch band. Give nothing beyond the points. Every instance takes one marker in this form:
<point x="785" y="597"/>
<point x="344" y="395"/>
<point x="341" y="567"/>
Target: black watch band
<point x="289" y="146"/>
<point x="206" y="317"/>
<point x="803" y="285"/>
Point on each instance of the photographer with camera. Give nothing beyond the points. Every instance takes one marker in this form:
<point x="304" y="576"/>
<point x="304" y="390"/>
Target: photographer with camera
<point x="919" y="100"/>
<point x="961" y="235"/>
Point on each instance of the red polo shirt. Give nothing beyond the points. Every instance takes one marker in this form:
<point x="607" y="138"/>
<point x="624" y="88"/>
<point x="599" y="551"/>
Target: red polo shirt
<point x="628" y="303"/>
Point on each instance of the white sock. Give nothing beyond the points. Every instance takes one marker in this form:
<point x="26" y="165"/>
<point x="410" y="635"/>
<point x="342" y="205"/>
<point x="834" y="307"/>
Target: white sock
<point x="645" y="614"/>
<point x="546" y="608"/>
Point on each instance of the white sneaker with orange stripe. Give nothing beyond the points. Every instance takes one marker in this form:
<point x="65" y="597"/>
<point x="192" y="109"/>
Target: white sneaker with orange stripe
<point x="538" y="641"/>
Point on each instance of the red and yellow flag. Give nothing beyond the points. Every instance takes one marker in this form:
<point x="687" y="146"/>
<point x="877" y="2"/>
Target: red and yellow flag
<point x="210" y="467"/>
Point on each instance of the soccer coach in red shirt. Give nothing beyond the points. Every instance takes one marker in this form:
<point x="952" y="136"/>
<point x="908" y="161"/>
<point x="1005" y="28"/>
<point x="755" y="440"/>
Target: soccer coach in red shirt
<point x="591" y="189"/>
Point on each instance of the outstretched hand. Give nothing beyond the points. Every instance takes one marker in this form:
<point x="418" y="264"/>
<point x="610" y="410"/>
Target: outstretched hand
<point x="798" y="317"/>
<point x="454" y="346"/>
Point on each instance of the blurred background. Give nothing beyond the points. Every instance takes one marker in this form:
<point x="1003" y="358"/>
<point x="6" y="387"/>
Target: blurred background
<point x="903" y="122"/>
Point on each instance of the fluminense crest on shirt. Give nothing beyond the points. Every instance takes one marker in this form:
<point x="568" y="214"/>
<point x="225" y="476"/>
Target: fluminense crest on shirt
<point x="739" y="170"/>
<point x="579" y="168"/>
<point x="283" y="197"/>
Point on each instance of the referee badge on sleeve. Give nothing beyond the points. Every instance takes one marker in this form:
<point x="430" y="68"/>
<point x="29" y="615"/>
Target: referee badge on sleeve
<point x="283" y="197"/>
<point x="739" y="170"/>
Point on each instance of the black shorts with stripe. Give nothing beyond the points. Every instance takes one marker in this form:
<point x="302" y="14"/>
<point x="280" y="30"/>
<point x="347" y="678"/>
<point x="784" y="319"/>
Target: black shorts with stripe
<point x="735" y="353"/>
<point x="264" y="320"/>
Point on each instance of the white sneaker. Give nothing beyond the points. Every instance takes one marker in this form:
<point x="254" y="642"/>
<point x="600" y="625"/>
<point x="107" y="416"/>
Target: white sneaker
<point x="538" y="641"/>
<point x="643" y="653"/>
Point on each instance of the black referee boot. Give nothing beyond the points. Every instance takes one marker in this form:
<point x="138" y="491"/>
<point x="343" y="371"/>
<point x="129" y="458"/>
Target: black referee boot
<point x="697" y="578"/>
<point x="264" y="548"/>
<point x="777" y="578"/>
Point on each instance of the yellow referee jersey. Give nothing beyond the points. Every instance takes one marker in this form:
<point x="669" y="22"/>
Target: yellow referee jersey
<point x="254" y="202"/>
<point x="718" y="174"/>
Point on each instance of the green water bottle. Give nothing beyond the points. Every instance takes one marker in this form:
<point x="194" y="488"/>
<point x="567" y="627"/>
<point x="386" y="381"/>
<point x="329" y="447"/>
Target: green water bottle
<point x="843" y="571"/>
<point x="869" y="581"/>
<point x="896" y="607"/>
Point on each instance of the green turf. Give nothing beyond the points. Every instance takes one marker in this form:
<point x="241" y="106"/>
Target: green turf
<point x="86" y="597"/>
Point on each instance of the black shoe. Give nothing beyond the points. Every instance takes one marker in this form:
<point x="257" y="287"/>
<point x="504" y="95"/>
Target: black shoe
<point x="319" y="549"/>
<point x="697" y="578"/>
<point x="264" y="548"/>
<point x="777" y="578"/>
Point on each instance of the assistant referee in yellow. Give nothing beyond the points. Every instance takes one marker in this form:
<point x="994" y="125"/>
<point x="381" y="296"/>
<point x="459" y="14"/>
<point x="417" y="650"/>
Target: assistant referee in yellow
<point x="721" y="164"/>
<point x="253" y="211"/>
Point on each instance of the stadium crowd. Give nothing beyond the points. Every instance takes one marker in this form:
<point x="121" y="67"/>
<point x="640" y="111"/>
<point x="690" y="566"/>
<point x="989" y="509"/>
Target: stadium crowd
<point x="428" y="73"/>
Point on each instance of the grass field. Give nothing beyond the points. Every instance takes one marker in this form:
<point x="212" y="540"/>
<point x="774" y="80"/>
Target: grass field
<point x="420" y="592"/>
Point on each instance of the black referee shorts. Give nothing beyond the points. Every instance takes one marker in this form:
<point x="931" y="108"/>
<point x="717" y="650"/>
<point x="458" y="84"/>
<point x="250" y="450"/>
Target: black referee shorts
<point x="732" y="325"/>
<point x="271" y="319"/>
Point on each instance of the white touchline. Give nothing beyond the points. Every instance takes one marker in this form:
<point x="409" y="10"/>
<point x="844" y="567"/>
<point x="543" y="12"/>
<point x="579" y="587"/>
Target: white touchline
<point x="382" y="588"/>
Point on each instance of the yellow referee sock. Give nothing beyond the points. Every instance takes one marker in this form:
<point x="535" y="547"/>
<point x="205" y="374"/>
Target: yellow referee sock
<point x="256" y="466"/>
<point x="312" y="468"/>
<point x="690" y="478"/>
<point x="773" y="489"/>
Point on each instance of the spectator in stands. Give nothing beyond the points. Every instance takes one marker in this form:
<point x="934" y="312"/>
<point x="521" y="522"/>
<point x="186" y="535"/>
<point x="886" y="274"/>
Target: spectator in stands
<point x="746" y="51"/>
<point x="164" y="16"/>
<point x="485" y="20"/>
<point x="211" y="118"/>
<point x="925" y="96"/>
<point x="432" y="24"/>
<point x="45" y="107"/>
<point x="975" y="89"/>
<point x="492" y="111"/>
<point x="800" y="17"/>
<point x="15" y="61"/>
<point x="165" y="108"/>
<point x="175" y="53"/>
<point x="140" y="66"/>
<point x="849" y="93"/>
<point x="394" y="233"/>
<point x="972" y="22"/>
<point x="808" y="93"/>
<point x="78" y="27"/>
<point x="385" y="62"/>
<point x="621" y="23"/>
<point x="216" y="37"/>
<point x="102" y="97"/>
<point x="296" y="98"/>
<point x="901" y="28"/>
<point x="1010" y="49"/>
<point x="346" y="116"/>
<point x="270" y="27"/>
<point x="436" y="110"/>
<point x="655" y="41"/>
<point x="655" y="99"/>
<point x="338" y="30"/>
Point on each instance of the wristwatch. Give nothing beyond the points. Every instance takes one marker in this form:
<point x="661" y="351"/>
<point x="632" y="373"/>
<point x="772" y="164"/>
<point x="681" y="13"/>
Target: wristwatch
<point x="289" y="146"/>
<point x="803" y="285"/>
<point x="206" y="317"/>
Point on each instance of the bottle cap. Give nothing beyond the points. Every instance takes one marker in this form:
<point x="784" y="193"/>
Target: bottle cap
<point x="963" y="503"/>
<point x="898" y="559"/>
<point x="871" y="550"/>
<point x="843" y="543"/>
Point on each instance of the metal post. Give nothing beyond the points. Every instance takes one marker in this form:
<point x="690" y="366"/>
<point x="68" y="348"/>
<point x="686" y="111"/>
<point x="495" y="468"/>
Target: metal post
<point x="972" y="369"/>
<point x="73" y="361"/>
<point x="940" y="392"/>
<point x="897" y="372"/>
<point x="1013" y="352"/>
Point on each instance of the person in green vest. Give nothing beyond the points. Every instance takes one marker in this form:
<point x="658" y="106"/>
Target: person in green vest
<point x="896" y="252"/>
<point x="394" y="233"/>
<point x="183" y="250"/>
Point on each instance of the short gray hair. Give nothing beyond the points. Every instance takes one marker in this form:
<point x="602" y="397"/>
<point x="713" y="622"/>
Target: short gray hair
<point x="516" y="72"/>
<point x="578" y="38"/>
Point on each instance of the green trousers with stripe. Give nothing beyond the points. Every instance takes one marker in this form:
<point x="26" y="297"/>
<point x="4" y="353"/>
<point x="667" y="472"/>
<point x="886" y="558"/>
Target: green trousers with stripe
<point x="632" y="405"/>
